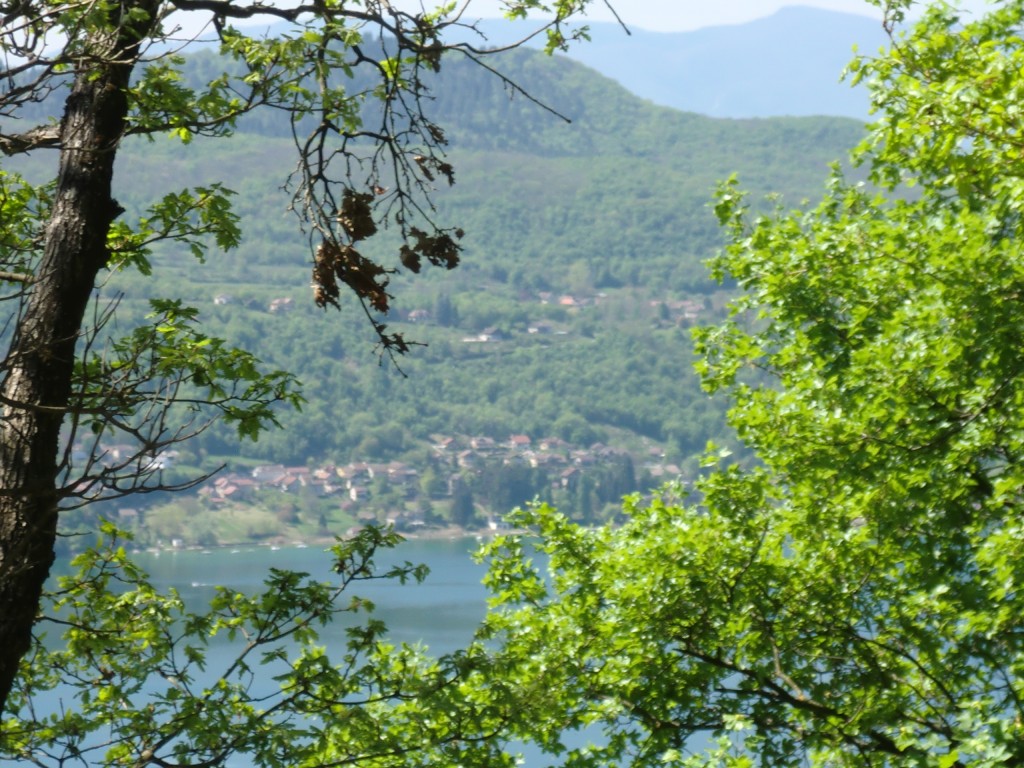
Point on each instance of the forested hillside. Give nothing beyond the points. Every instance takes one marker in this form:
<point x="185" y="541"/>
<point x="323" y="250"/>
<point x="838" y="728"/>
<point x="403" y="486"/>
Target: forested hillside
<point x="570" y="314"/>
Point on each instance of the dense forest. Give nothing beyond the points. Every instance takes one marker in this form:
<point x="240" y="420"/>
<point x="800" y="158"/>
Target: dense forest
<point x="569" y="317"/>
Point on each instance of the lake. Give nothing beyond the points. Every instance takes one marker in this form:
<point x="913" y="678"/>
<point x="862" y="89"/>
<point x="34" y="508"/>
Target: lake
<point x="442" y="612"/>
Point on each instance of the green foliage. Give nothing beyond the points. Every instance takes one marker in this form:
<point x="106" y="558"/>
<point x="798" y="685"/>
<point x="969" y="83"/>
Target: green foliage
<point x="170" y="359"/>
<point x="24" y="206"/>
<point x="186" y="218"/>
<point x="855" y="598"/>
<point x="143" y="678"/>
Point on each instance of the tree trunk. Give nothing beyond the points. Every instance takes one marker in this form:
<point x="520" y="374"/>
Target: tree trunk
<point x="37" y="389"/>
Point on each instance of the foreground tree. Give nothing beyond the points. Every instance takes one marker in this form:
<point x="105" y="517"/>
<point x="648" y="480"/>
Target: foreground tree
<point x="349" y="80"/>
<point x="856" y="598"/>
<point x="139" y="678"/>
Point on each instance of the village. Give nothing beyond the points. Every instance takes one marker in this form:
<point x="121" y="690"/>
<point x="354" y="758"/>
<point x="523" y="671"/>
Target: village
<point x="468" y="484"/>
<point x="447" y="482"/>
<point x="357" y="486"/>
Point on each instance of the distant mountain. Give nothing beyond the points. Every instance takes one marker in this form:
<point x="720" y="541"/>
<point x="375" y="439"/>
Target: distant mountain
<point x="582" y="270"/>
<point x="789" y="63"/>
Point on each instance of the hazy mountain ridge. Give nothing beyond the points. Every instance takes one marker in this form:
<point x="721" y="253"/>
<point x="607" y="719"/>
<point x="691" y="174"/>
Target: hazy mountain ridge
<point x="789" y="63"/>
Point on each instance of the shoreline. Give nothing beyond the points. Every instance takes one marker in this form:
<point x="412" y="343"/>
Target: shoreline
<point x="448" y="533"/>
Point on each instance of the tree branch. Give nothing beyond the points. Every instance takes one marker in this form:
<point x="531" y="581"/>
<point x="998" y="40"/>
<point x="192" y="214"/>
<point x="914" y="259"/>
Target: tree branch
<point x="37" y="138"/>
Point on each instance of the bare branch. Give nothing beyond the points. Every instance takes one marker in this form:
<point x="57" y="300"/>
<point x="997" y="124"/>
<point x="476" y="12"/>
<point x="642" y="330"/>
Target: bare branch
<point x="37" y="138"/>
<point x="17" y="277"/>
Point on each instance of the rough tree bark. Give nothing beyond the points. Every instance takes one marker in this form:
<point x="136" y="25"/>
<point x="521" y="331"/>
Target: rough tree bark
<point x="36" y="390"/>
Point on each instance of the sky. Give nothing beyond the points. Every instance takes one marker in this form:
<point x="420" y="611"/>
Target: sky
<point x="670" y="15"/>
<point x="685" y="15"/>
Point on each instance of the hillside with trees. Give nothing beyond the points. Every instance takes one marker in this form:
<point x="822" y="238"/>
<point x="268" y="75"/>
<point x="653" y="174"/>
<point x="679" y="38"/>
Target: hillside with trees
<point x="569" y="318"/>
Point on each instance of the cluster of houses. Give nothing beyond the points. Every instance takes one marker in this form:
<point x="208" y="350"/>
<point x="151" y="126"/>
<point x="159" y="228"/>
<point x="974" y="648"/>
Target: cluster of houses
<point x="551" y="453"/>
<point x="352" y="487"/>
<point x="275" y="306"/>
<point x="351" y="481"/>
<point x="682" y="309"/>
<point x="678" y="311"/>
<point x="355" y="482"/>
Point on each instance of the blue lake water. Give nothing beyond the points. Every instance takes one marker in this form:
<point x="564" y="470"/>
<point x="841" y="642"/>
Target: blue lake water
<point x="442" y="612"/>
